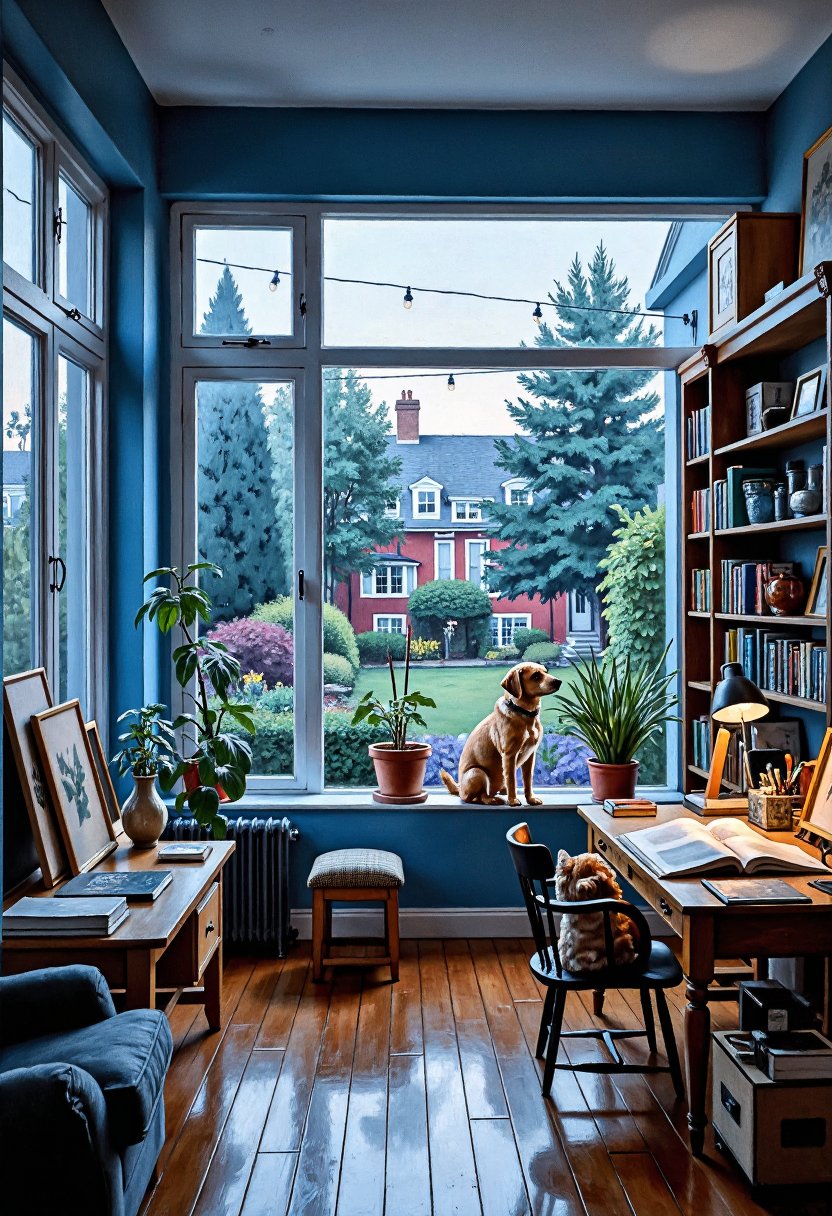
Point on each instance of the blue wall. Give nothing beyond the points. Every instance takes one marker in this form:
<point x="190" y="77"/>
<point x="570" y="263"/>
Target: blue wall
<point x="798" y="118"/>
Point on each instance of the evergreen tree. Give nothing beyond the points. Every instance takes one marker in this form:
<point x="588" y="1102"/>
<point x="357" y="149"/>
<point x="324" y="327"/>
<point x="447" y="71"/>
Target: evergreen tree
<point x="586" y="441"/>
<point x="236" y="516"/>
<point x="359" y="477"/>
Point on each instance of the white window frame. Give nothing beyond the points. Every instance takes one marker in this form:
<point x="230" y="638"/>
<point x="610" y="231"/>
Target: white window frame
<point x="394" y="512"/>
<point x="404" y="565"/>
<point x="401" y="617"/>
<point x="425" y="485"/>
<point x="57" y="330"/>
<point x="444" y="540"/>
<point x="517" y="483"/>
<point x="311" y="355"/>
<point x="502" y="617"/>
<point x="457" y="504"/>
<point x="485" y="542"/>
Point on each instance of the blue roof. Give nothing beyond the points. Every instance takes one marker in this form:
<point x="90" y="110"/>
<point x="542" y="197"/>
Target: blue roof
<point x="464" y="465"/>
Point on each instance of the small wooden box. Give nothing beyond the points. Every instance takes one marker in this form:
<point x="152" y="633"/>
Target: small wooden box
<point x="766" y="395"/>
<point x="772" y="812"/>
<point x="776" y="1131"/>
<point x="751" y="252"/>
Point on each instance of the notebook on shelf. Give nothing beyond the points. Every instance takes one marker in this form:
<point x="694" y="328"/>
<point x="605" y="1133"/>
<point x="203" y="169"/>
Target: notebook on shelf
<point x="687" y="847"/>
<point x="135" y="885"/>
<point x="94" y="916"/>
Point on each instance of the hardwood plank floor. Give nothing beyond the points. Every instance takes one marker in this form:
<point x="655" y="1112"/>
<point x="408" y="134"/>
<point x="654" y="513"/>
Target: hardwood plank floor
<point x="356" y="1097"/>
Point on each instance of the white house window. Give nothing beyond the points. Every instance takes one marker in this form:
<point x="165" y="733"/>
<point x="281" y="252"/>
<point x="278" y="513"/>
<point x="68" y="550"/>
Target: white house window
<point x="444" y="563"/>
<point x="476" y="551"/>
<point x="392" y="578"/>
<point x="503" y="627"/>
<point x="517" y="493"/>
<point x="393" y="509"/>
<point x="425" y="495"/>
<point x="390" y="624"/>
<point x="467" y="510"/>
<point x="7" y="506"/>
<point x="426" y="502"/>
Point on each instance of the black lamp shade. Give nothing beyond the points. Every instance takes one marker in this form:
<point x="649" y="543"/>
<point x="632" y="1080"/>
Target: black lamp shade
<point x="736" y="698"/>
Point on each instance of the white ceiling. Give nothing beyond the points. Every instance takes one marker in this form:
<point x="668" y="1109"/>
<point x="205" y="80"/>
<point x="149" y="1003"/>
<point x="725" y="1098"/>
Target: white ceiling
<point x="504" y="54"/>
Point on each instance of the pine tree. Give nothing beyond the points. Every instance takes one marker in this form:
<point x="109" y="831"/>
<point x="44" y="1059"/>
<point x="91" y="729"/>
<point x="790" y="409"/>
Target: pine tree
<point x="586" y="441"/>
<point x="236" y="515"/>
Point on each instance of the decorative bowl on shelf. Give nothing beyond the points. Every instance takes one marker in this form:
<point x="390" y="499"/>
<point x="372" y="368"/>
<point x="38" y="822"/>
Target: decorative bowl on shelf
<point x="785" y="594"/>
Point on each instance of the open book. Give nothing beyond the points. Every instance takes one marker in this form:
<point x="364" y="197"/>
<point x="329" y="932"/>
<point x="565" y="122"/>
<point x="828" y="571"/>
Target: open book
<point x="724" y="846"/>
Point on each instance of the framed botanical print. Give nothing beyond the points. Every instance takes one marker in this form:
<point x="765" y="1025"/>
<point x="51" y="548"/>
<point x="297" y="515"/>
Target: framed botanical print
<point x="817" y="809"/>
<point x="102" y="768"/>
<point x="74" y="785"/>
<point x="816" y="212"/>
<point x="25" y="695"/>
<point x="818" y="592"/>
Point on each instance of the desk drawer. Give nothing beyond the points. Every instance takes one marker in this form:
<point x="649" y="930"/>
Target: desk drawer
<point x="646" y="887"/>
<point x="207" y="928"/>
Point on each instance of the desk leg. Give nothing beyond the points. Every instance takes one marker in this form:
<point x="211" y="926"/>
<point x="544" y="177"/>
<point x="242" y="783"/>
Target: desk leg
<point x="697" y="1052"/>
<point x="141" y="979"/>
<point x="212" y="984"/>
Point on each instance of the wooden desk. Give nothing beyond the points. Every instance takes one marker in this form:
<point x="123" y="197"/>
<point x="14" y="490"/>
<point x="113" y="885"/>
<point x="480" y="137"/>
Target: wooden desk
<point x="711" y="930"/>
<point x="173" y="944"/>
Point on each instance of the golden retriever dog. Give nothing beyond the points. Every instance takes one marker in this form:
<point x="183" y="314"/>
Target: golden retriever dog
<point x="505" y="741"/>
<point x="581" y="938"/>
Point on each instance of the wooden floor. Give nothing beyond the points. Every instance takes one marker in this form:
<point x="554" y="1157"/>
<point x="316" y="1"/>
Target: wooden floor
<point x="362" y="1097"/>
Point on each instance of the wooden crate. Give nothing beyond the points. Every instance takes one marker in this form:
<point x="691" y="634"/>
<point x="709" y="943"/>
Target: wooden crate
<point x="776" y="1131"/>
<point x="752" y="252"/>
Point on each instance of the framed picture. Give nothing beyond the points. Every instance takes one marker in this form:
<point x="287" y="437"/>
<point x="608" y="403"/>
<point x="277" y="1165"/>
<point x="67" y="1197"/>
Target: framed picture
<point x="103" y="770"/>
<point x="817" y="809"/>
<point x="24" y="696"/>
<point x="818" y="593"/>
<point x="74" y="786"/>
<point x="723" y="280"/>
<point x="808" y="392"/>
<point x="816" y="210"/>
<point x="782" y="736"/>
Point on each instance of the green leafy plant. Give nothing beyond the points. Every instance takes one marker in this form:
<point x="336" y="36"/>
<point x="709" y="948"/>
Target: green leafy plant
<point x="400" y="712"/>
<point x="525" y="636"/>
<point x="616" y="708"/>
<point x="542" y="652"/>
<point x="149" y="743"/>
<point x="218" y="760"/>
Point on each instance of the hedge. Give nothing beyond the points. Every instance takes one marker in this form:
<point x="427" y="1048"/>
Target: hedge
<point x="373" y="646"/>
<point x="337" y="670"/>
<point x="339" y="635"/>
<point x="541" y="652"/>
<point x="525" y="637"/>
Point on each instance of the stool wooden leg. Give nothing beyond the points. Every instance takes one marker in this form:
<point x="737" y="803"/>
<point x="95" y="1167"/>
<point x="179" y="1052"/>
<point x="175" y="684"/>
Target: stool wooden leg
<point x="391" y="909"/>
<point x="318" y="925"/>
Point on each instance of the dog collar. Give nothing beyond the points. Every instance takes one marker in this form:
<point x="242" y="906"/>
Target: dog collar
<point x="518" y="709"/>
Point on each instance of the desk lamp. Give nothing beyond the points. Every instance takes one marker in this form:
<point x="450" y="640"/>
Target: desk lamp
<point x="737" y="701"/>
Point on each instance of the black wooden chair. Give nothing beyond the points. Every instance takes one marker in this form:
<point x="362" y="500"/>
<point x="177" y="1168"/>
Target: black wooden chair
<point x="654" y="969"/>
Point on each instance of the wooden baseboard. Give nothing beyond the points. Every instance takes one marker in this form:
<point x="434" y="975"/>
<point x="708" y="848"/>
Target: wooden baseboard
<point x="438" y="922"/>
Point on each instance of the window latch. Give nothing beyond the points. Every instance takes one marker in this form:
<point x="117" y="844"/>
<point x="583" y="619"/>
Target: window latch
<point x="74" y="314"/>
<point x="302" y="304"/>
<point x="58" y="579"/>
<point x="301" y="588"/>
<point x="249" y="343"/>
<point x="60" y="224"/>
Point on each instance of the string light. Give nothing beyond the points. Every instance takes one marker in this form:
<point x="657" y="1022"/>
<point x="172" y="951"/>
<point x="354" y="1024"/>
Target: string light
<point x="451" y="383"/>
<point x="537" y="315"/>
<point x="273" y="285"/>
<point x="408" y="298"/>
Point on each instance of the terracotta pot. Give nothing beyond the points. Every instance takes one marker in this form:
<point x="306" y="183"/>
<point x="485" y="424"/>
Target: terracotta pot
<point x="144" y="815"/>
<point x="612" y="780"/>
<point x="400" y="774"/>
<point x="191" y="781"/>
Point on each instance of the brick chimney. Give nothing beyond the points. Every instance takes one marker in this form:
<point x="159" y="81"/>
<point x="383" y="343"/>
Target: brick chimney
<point x="407" y="418"/>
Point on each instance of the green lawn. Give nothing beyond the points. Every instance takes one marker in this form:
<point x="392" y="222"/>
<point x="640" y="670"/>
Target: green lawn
<point x="463" y="695"/>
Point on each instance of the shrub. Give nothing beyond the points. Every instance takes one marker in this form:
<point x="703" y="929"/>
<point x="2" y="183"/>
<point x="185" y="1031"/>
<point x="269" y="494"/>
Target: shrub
<point x="504" y="654"/>
<point x="373" y="646"/>
<point x="424" y="648"/>
<point x="339" y="635"/>
<point x="541" y="652"/>
<point x="277" y="700"/>
<point x="258" y="647"/>
<point x="523" y="638"/>
<point x="434" y="604"/>
<point x="338" y="671"/>
<point x="561" y="760"/>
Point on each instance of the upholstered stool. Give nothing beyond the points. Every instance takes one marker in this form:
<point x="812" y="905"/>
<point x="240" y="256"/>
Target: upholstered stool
<point x="353" y="876"/>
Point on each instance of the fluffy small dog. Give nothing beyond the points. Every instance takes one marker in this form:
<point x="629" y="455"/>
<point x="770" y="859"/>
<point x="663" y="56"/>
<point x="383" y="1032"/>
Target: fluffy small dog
<point x="581" y="938"/>
<point x="505" y="741"/>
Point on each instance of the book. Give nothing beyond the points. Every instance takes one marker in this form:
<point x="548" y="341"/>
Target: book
<point x="736" y="475"/>
<point x="725" y="804"/>
<point x="755" y="891"/>
<point x="190" y="851"/>
<point x="138" y="885"/>
<point x="795" y="1054"/>
<point x="726" y="846"/>
<point x="629" y="808"/>
<point x="94" y="916"/>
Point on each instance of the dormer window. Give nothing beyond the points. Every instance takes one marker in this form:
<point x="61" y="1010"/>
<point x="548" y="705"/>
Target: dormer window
<point x="393" y="509"/>
<point x="466" y="510"/>
<point x="517" y="492"/>
<point x="426" y="502"/>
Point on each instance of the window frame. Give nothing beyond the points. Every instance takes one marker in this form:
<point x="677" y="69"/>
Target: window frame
<point x="477" y="503"/>
<point x="401" y="617"/>
<point x="372" y="574"/>
<point x="444" y="540"/>
<point x="502" y="617"/>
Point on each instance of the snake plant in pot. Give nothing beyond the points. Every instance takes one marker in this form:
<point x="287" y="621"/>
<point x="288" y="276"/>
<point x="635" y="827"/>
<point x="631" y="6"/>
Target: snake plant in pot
<point x="217" y="762"/>
<point x="615" y="708"/>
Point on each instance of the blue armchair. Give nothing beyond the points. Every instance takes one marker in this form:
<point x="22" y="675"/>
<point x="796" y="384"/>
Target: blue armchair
<point x="82" y="1114"/>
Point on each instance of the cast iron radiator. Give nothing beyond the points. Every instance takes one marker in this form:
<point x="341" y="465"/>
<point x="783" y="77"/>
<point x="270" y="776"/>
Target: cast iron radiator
<point x="255" y="891"/>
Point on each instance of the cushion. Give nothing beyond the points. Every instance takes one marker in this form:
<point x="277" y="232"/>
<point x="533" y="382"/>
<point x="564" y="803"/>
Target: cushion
<point x="357" y="868"/>
<point x="128" y="1055"/>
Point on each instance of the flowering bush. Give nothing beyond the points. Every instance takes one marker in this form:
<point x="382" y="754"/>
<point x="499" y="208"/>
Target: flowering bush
<point x="504" y="653"/>
<point x="561" y="760"/>
<point x="259" y="647"/>
<point x="424" y="648"/>
<point x="339" y="635"/>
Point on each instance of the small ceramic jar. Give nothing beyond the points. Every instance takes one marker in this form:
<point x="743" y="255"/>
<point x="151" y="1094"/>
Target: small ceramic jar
<point x="781" y="501"/>
<point x="807" y="500"/>
<point x="759" y="500"/>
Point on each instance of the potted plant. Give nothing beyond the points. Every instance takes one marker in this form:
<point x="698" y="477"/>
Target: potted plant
<point x="217" y="762"/>
<point x="615" y="708"/>
<point x="400" y="766"/>
<point x="148" y="750"/>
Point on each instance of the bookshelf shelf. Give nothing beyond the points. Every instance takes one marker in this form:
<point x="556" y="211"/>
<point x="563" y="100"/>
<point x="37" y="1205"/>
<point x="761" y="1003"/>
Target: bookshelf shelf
<point x="767" y="346"/>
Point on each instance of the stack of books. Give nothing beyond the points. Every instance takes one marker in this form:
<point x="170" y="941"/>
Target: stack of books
<point x="780" y="663"/>
<point x="700" y="591"/>
<point x="701" y="728"/>
<point x="793" y="1055"/>
<point x="729" y="500"/>
<point x="743" y="584"/>
<point x="96" y="916"/>
<point x="701" y="511"/>
<point x="698" y="428"/>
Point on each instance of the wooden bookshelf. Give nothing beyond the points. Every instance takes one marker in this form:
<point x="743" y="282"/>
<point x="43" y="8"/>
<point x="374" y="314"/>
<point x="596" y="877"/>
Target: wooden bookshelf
<point x="718" y="375"/>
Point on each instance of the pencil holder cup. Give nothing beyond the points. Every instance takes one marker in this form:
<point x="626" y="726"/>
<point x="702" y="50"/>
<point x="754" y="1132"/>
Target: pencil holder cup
<point x="772" y="812"/>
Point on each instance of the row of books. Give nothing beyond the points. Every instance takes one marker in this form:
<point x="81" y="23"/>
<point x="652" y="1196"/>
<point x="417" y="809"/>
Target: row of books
<point x="796" y="667"/>
<point x="698" y="426"/>
<point x="743" y="584"/>
<point x="729" y="500"/>
<point x="701" y="511"/>
<point x="700" y="591"/>
<point x="701" y="728"/>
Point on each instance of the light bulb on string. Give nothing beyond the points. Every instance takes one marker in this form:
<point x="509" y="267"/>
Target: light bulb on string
<point x="537" y="315"/>
<point x="275" y="281"/>
<point x="451" y="383"/>
<point x="408" y="298"/>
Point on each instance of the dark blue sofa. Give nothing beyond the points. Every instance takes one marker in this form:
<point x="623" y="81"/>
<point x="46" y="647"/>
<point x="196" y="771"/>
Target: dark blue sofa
<point x="82" y="1114"/>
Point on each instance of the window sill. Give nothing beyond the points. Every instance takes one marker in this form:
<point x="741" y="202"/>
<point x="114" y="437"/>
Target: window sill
<point x="362" y="800"/>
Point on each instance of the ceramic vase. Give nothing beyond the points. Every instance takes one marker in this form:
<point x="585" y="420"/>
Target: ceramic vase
<point x="807" y="499"/>
<point x="144" y="815"/>
<point x="759" y="500"/>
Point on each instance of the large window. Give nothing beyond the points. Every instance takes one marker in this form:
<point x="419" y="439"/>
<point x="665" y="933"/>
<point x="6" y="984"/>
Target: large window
<point x="362" y="457"/>
<point x="54" y="238"/>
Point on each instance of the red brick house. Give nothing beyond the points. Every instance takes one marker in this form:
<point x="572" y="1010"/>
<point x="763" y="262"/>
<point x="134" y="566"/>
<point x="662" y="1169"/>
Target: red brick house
<point x="447" y="482"/>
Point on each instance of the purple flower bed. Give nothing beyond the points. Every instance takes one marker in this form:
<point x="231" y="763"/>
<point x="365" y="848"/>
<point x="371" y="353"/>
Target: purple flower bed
<point x="561" y="759"/>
